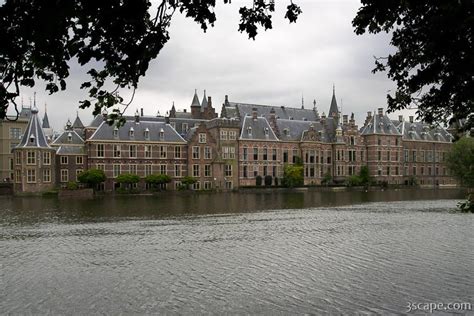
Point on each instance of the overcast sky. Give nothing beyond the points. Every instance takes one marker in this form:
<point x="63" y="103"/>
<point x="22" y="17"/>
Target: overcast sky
<point x="280" y="66"/>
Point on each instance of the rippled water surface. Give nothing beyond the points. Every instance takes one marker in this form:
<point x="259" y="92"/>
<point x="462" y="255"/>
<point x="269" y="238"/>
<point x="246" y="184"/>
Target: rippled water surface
<point x="266" y="253"/>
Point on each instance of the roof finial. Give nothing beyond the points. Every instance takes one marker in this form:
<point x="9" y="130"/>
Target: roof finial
<point x="314" y="104"/>
<point x="333" y="89"/>
<point x="34" y="99"/>
<point x="45" y="108"/>
<point x="302" y="101"/>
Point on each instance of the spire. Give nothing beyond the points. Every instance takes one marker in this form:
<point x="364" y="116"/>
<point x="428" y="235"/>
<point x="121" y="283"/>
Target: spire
<point x="195" y="99"/>
<point x="333" y="109"/>
<point x="45" y="118"/>
<point x="204" y="102"/>
<point x="77" y="122"/>
<point x="302" y="101"/>
<point x="34" y="135"/>
<point x="172" y="111"/>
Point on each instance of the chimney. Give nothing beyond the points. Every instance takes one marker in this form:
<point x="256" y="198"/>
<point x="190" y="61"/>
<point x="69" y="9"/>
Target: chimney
<point x="400" y="118"/>
<point x="141" y="112"/>
<point x="344" y="119"/>
<point x="167" y="120"/>
<point x="254" y="113"/>
<point x="380" y="111"/>
<point x="411" y="118"/>
<point x="273" y="122"/>
<point x="368" y="118"/>
<point x="184" y="110"/>
<point x="226" y="102"/>
<point x="209" y="102"/>
<point x="137" y="117"/>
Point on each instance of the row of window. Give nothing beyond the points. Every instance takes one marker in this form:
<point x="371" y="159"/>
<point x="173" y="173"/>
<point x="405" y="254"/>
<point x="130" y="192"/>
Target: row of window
<point x="268" y="154"/>
<point x="228" y="135"/>
<point x="424" y="156"/>
<point x="32" y="157"/>
<point x="31" y="176"/>
<point x="118" y="151"/>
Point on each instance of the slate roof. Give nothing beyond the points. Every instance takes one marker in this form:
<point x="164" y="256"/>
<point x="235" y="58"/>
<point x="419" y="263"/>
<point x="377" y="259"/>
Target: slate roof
<point x="25" y="112"/>
<point x="77" y="123"/>
<point x="291" y="130"/>
<point x="195" y="100"/>
<point x="71" y="150"/>
<point x="204" y="102"/>
<point x="64" y="138"/>
<point x="380" y="124"/>
<point x="34" y="134"/>
<point x="333" y="109"/>
<point x="241" y="109"/>
<point x="259" y="129"/>
<point x="45" y="121"/>
<point x="178" y="124"/>
<point x="96" y="121"/>
<point x="422" y="131"/>
<point x="154" y="127"/>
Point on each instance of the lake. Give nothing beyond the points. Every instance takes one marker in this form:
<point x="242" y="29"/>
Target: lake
<point x="307" y="252"/>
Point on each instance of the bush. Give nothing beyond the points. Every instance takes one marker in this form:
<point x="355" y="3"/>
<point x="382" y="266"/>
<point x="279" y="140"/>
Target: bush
<point x="276" y="181"/>
<point x="72" y="185"/>
<point x="354" y="181"/>
<point x="127" y="180"/>
<point x="158" y="180"/>
<point x="293" y="176"/>
<point x="327" y="179"/>
<point x="258" y="181"/>
<point x="188" y="181"/>
<point x="91" y="177"/>
<point x="268" y="180"/>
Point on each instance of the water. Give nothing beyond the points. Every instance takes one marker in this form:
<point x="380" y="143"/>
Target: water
<point x="258" y="253"/>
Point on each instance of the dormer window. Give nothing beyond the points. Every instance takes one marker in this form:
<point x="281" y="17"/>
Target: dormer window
<point x="291" y="117"/>
<point x="185" y="127"/>
<point x="131" y="132"/>
<point x="266" y="131"/>
<point x="249" y="130"/>
<point x="69" y="137"/>
<point x="147" y="133"/>
<point x="32" y="138"/>
<point x="162" y="133"/>
<point x="115" y="132"/>
<point x="286" y="131"/>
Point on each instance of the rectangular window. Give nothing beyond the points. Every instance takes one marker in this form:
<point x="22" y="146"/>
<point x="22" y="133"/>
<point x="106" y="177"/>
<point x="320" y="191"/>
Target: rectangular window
<point x="244" y="153"/>
<point x="245" y="172"/>
<point x="177" y="152"/>
<point x="255" y="153"/>
<point x="31" y="157"/>
<point x="195" y="150"/>
<point x="64" y="175"/>
<point x="295" y="155"/>
<point x="15" y="133"/>
<point x="405" y="155"/>
<point x="223" y="135"/>
<point x="46" y="175"/>
<point x="232" y="135"/>
<point x="202" y="138"/>
<point x="196" y="171"/>
<point x="101" y="166"/>
<point x="18" y="158"/>
<point x="413" y="155"/>
<point x="17" y="176"/>
<point x="207" y="185"/>
<point x="265" y="154"/>
<point x="117" y="170"/>
<point x="163" y="169"/>
<point x="228" y="171"/>
<point x="274" y="154"/>
<point x="207" y="171"/>
<point x="379" y="155"/>
<point x="100" y="150"/>
<point x="64" y="160"/>
<point x="79" y="160"/>
<point x="31" y="175"/>
<point x="132" y="151"/>
<point x="46" y="158"/>
<point x="177" y="170"/>
<point x="147" y="170"/>
<point x="162" y="152"/>
<point x="207" y="153"/>
<point x="133" y="169"/>
<point x="147" y="150"/>
<point x="228" y="152"/>
<point x="185" y="128"/>
<point x="255" y="170"/>
<point x="117" y="151"/>
<point x="197" y="186"/>
<point x="78" y="172"/>
<point x="285" y="155"/>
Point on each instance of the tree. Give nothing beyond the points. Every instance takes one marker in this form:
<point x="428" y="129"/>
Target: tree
<point x="460" y="161"/>
<point x="127" y="179"/>
<point x="188" y="181"/>
<point x="364" y="175"/>
<point x="158" y="180"/>
<point x="258" y="180"/>
<point x="268" y="180"/>
<point x="91" y="177"/>
<point x="117" y="38"/>
<point x="432" y="65"/>
<point x="293" y="176"/>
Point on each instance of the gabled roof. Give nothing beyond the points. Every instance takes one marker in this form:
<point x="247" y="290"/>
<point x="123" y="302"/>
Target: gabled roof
<point x="179" y="125"/>
<point x="34" y="135"/>
<point x="70" y="137"/>
<point x="70" y="150"/>
<point x="257" y="129"/>
<point x="45" y="121"/>
<point x="423" y="131"/>
<point x="235" y="109"/>
<point x="77" y="123"/>
<point x="98" y="119"/>
<point x="139" y="130"/>
<point x="195" y="99"/>
<point x="380" y="124"/>
<point x="291" y="130"/>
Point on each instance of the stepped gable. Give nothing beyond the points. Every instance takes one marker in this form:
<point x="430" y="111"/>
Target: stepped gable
<point x="34" y="134"/>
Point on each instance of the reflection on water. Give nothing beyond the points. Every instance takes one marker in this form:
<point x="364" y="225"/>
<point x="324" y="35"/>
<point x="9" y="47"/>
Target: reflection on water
<point x="303" y="252"/>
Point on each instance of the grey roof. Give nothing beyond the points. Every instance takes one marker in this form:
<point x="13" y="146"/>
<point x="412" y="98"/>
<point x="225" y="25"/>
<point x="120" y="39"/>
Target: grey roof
<point x="185" y="115"/>
<point x="66" y="135"/>
<point x="98" y="119"/>
<point x="179" y="124"/>
<point x="204" y="102"/>
<point x="380" y="124"/>
<point x="77" y="123"/>
<point x="34" y="134"/>
<point x="242" y="109"/>
<point x="292" y="130"/>
<point x="195" y="100"/>
<point x="45" y="121"/>
<point x="71" y="150"/>
<point x="333" y="109"/>
<point x="25" y="112"/>
<point x="256" y="129"/>
<point x="154" y="128"/>
<point x="422" y="131"/>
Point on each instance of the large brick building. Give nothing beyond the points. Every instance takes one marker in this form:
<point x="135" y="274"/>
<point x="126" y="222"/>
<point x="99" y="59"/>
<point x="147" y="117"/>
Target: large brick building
<point x="246" y="141"/>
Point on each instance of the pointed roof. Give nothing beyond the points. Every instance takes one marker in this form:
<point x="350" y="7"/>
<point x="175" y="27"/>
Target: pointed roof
<point x="34" y="135"/>
<point x="77" y="122"/>
<point x="333" y="109"/>
<point x="45" y="120"/>
<point x="195" y="99"/>
<point x="204" y="101"/>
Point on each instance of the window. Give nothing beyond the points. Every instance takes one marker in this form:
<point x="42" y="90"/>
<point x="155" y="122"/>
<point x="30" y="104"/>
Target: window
<point x="64" y="175"/>
<point x="162" y="152"/>
<point x="177" y="170"/>
<point x="147" y="133"/>
<point x="133" y="169"/>
<point x="100" y="150"/>
<point x="228" y="152"/>
<point x="265" y="170"/>
<point x="379" y="155"/>
<point x="197" y="186"/>
<point x="352" y="140"/>
<point x="265" y="153"/>
<point x="18" y="158"/>
<point x="228" y="185"/>
<point x="232" y="135"/>
<point x="46" y="175"/>
<point x="132" y="151"/>
<point x="17" y="176"/>
<point x="64" y="160"/>
<point x="207" y="171"/>
<point x="414" y="171"/>
<point x="207" y="153"/>
<point x="31" y="175"/>
<point x="177" y="152"/>
<point x="15" y="133"/>
<point x="244" y="153"/>
<point x="163" y="169"/>
<point x="117" y="152"/>
<point x="46" y="158"/>
<point x="31" y="158"/>
<point x="413" y="155"/>
<point x="117" y="170"/>
<point x="228" y="171"/>
<point x="274" y="154"/>
<point x="207" y="185"/>
<point x="79" y="160"/>
<point x="195" y="150"/>
<point x="195" y="170"/>
<point x="147" y="150"/>
<point x="388" y="170"/>
<point x="405" y="155"/>
<point x="245" y="172"/>
<point x="78" y="172"/>
<point x="101" y="166"/>
<point x="162" y="134"/>
<point x="295" y="155"/>
<point x="115" y="132"/>
<point x="285" y="155"/>
<point x="255" y="170"/>
<point x="255" y="153"/>
<point x="202" y="138"/>
<point x="131" y="132"/>
<point x="185" y="127"/>
<point x="223" y="135"/>
<point x="147" y="170"/>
